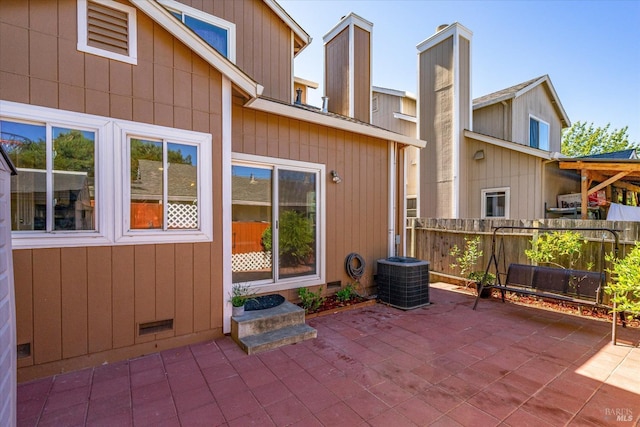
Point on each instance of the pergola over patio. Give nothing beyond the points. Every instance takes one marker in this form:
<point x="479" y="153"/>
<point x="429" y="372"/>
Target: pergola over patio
<point x="620" y="173"/>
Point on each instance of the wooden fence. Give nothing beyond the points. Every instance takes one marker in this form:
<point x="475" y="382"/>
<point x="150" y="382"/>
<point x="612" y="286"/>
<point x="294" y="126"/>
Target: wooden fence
<point x="432" y="240"/>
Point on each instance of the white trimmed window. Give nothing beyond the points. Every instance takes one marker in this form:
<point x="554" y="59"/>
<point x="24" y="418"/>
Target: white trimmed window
<point x="217" y="32"/>
<point x="87" y="180"/>
<point x="162" y="175"/>
<point x="495" y="203"/>
<point x="538" y="133"/>
<point x="108" y="28"/>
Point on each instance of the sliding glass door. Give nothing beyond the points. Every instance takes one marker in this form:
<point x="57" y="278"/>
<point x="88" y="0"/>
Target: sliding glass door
<point x="264" y="250"/>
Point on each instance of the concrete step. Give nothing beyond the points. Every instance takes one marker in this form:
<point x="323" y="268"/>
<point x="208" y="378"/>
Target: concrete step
<point x="262" y="330"/>
<point x="276" y="338"/>
<point x="260" y="321"/>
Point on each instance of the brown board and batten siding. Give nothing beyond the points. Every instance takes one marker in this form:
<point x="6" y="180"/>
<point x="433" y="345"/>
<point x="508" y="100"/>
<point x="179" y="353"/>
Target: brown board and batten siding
<point x="335" y="77"/>
<point x="464" y="117"/>
<point x="80" y="306"/>
<point x="357" y="208"/>
<point x="263" y="41"/>
<point x="362" y="74"/>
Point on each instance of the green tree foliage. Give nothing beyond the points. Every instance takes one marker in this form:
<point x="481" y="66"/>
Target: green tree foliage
<point x="584" y="139"/>
<point x="296" y="238"/>
<point x="560" y="249"/>
<point x="625" y="285"/>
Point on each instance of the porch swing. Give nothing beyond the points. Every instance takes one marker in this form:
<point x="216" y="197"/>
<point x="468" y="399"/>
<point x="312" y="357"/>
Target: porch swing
<point x="584" y="288"/>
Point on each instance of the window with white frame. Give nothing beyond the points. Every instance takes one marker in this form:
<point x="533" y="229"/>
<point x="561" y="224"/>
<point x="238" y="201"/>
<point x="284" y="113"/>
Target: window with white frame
<point x="163" y="175"/>
<point x="277" y="222"/>
<point x="495" y="203"/>
<point x="108" y="28"/>
<point x="538" y="133"/>
<point x="218" y="33"/>
<point x="84" y="180"/>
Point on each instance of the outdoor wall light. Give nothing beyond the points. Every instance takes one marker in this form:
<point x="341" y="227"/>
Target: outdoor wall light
<point x="335" y="177"/>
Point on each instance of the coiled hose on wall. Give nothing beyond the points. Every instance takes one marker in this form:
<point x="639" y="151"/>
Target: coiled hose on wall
<point x="355" y="270"/>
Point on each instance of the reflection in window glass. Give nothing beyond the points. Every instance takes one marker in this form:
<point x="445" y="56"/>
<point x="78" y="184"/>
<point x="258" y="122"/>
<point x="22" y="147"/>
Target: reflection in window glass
<point x="182" y="187"/>
<point x="164" y="189"/>
<point x="215" y="36"/>
<point x="495" y="204"/>
<point x="73" y="179"/>
<point x="62" y="198"/>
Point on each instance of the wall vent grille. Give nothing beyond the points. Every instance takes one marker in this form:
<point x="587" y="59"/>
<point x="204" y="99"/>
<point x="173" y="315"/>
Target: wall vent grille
<point x="155" y="327"/>
<point x="107" y="28"/>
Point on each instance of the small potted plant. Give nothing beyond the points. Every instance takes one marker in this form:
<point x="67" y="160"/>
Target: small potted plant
<point x="240" y="294"/>
<point x="481" y="279"/>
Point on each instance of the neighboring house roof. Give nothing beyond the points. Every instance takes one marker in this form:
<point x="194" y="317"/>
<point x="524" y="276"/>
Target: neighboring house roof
<point x="312" y="114"/>
<point x="525" y="149"/>
<point x="394" y="92"/>
<point x="305" y="82"/>
<point x="6" y="158"/>
<point x="520" y="89"/>
<point x="620" y="155"/>
<point x="148" y="185"/>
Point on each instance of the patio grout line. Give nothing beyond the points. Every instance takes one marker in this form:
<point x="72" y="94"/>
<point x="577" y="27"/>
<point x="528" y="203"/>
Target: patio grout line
<point x="601" y="384"/>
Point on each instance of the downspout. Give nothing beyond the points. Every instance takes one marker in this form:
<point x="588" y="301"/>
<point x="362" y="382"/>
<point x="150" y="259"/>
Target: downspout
<point x="391" y="243"/>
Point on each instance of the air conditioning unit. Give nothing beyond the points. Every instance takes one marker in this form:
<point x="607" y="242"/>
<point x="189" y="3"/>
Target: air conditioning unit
<point x="403" y="282"/>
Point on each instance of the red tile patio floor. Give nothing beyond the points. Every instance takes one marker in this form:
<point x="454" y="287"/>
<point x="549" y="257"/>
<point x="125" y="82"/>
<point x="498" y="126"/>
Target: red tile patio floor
<point x="444" y="364"/>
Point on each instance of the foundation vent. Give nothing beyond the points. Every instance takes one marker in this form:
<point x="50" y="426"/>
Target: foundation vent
<point x="155" y="327"/>
<point x="24" y="350"/>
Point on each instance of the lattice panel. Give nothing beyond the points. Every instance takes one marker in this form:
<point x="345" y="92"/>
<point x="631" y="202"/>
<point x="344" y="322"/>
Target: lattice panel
<point x="182" y="216"/>
<point x="251" y="261"/>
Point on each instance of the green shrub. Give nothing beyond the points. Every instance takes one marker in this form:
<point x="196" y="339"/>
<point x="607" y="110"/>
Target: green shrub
<point x="625" y="287"/>
<point x="296" y="238"/>
<point x="310" y="300"/>
<point x="346" y="293"/>
<point x="559" y="248"/>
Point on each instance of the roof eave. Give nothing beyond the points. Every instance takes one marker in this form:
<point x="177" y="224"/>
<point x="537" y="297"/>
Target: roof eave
<point x="554" y="95"/>
<point x="514" y="146"/>
<point x="300" y="34"/>
<point x="319" y="118"/>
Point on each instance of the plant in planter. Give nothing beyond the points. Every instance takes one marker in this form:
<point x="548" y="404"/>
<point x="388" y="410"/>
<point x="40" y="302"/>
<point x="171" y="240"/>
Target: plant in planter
<point x="482" y="278"/>
<point x="310" y="300"/>
<point x="240" y="294"/>
<point x="625" y="287"/>
<point x="346" y="293"/>
<point x="466" y="261"/>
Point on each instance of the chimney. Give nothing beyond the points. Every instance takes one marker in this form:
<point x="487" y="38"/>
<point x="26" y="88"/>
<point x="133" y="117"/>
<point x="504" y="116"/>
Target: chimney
<point x="347" y="75"/>
<point x="444" y="98"/>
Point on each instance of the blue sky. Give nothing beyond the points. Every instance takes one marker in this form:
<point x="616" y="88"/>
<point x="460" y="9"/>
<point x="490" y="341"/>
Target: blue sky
<point x="590" y="49"/>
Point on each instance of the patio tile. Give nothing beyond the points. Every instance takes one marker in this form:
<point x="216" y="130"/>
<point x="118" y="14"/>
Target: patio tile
<point x="338" y="415"/>
<point x="110" y="405"/>
<point x="154" y="412"/>
<point x="205" y="416"/>
<point x="368" y="367"/>
<point x="71" y="380"/>
<point x="418" y="411"/>
<point x="467" y="415"/>
<point x="238" y="404"/>
<point x="193" y="399"/>
<point x="270" y="393"/>
<point x="287" y="411"/>
<point x="72" y="415"/>
<point x="391" y="417"/>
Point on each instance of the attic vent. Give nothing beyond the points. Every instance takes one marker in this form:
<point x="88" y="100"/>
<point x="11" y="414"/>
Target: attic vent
<point x="107" y="28"/>
<point x="155" y="327"/>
